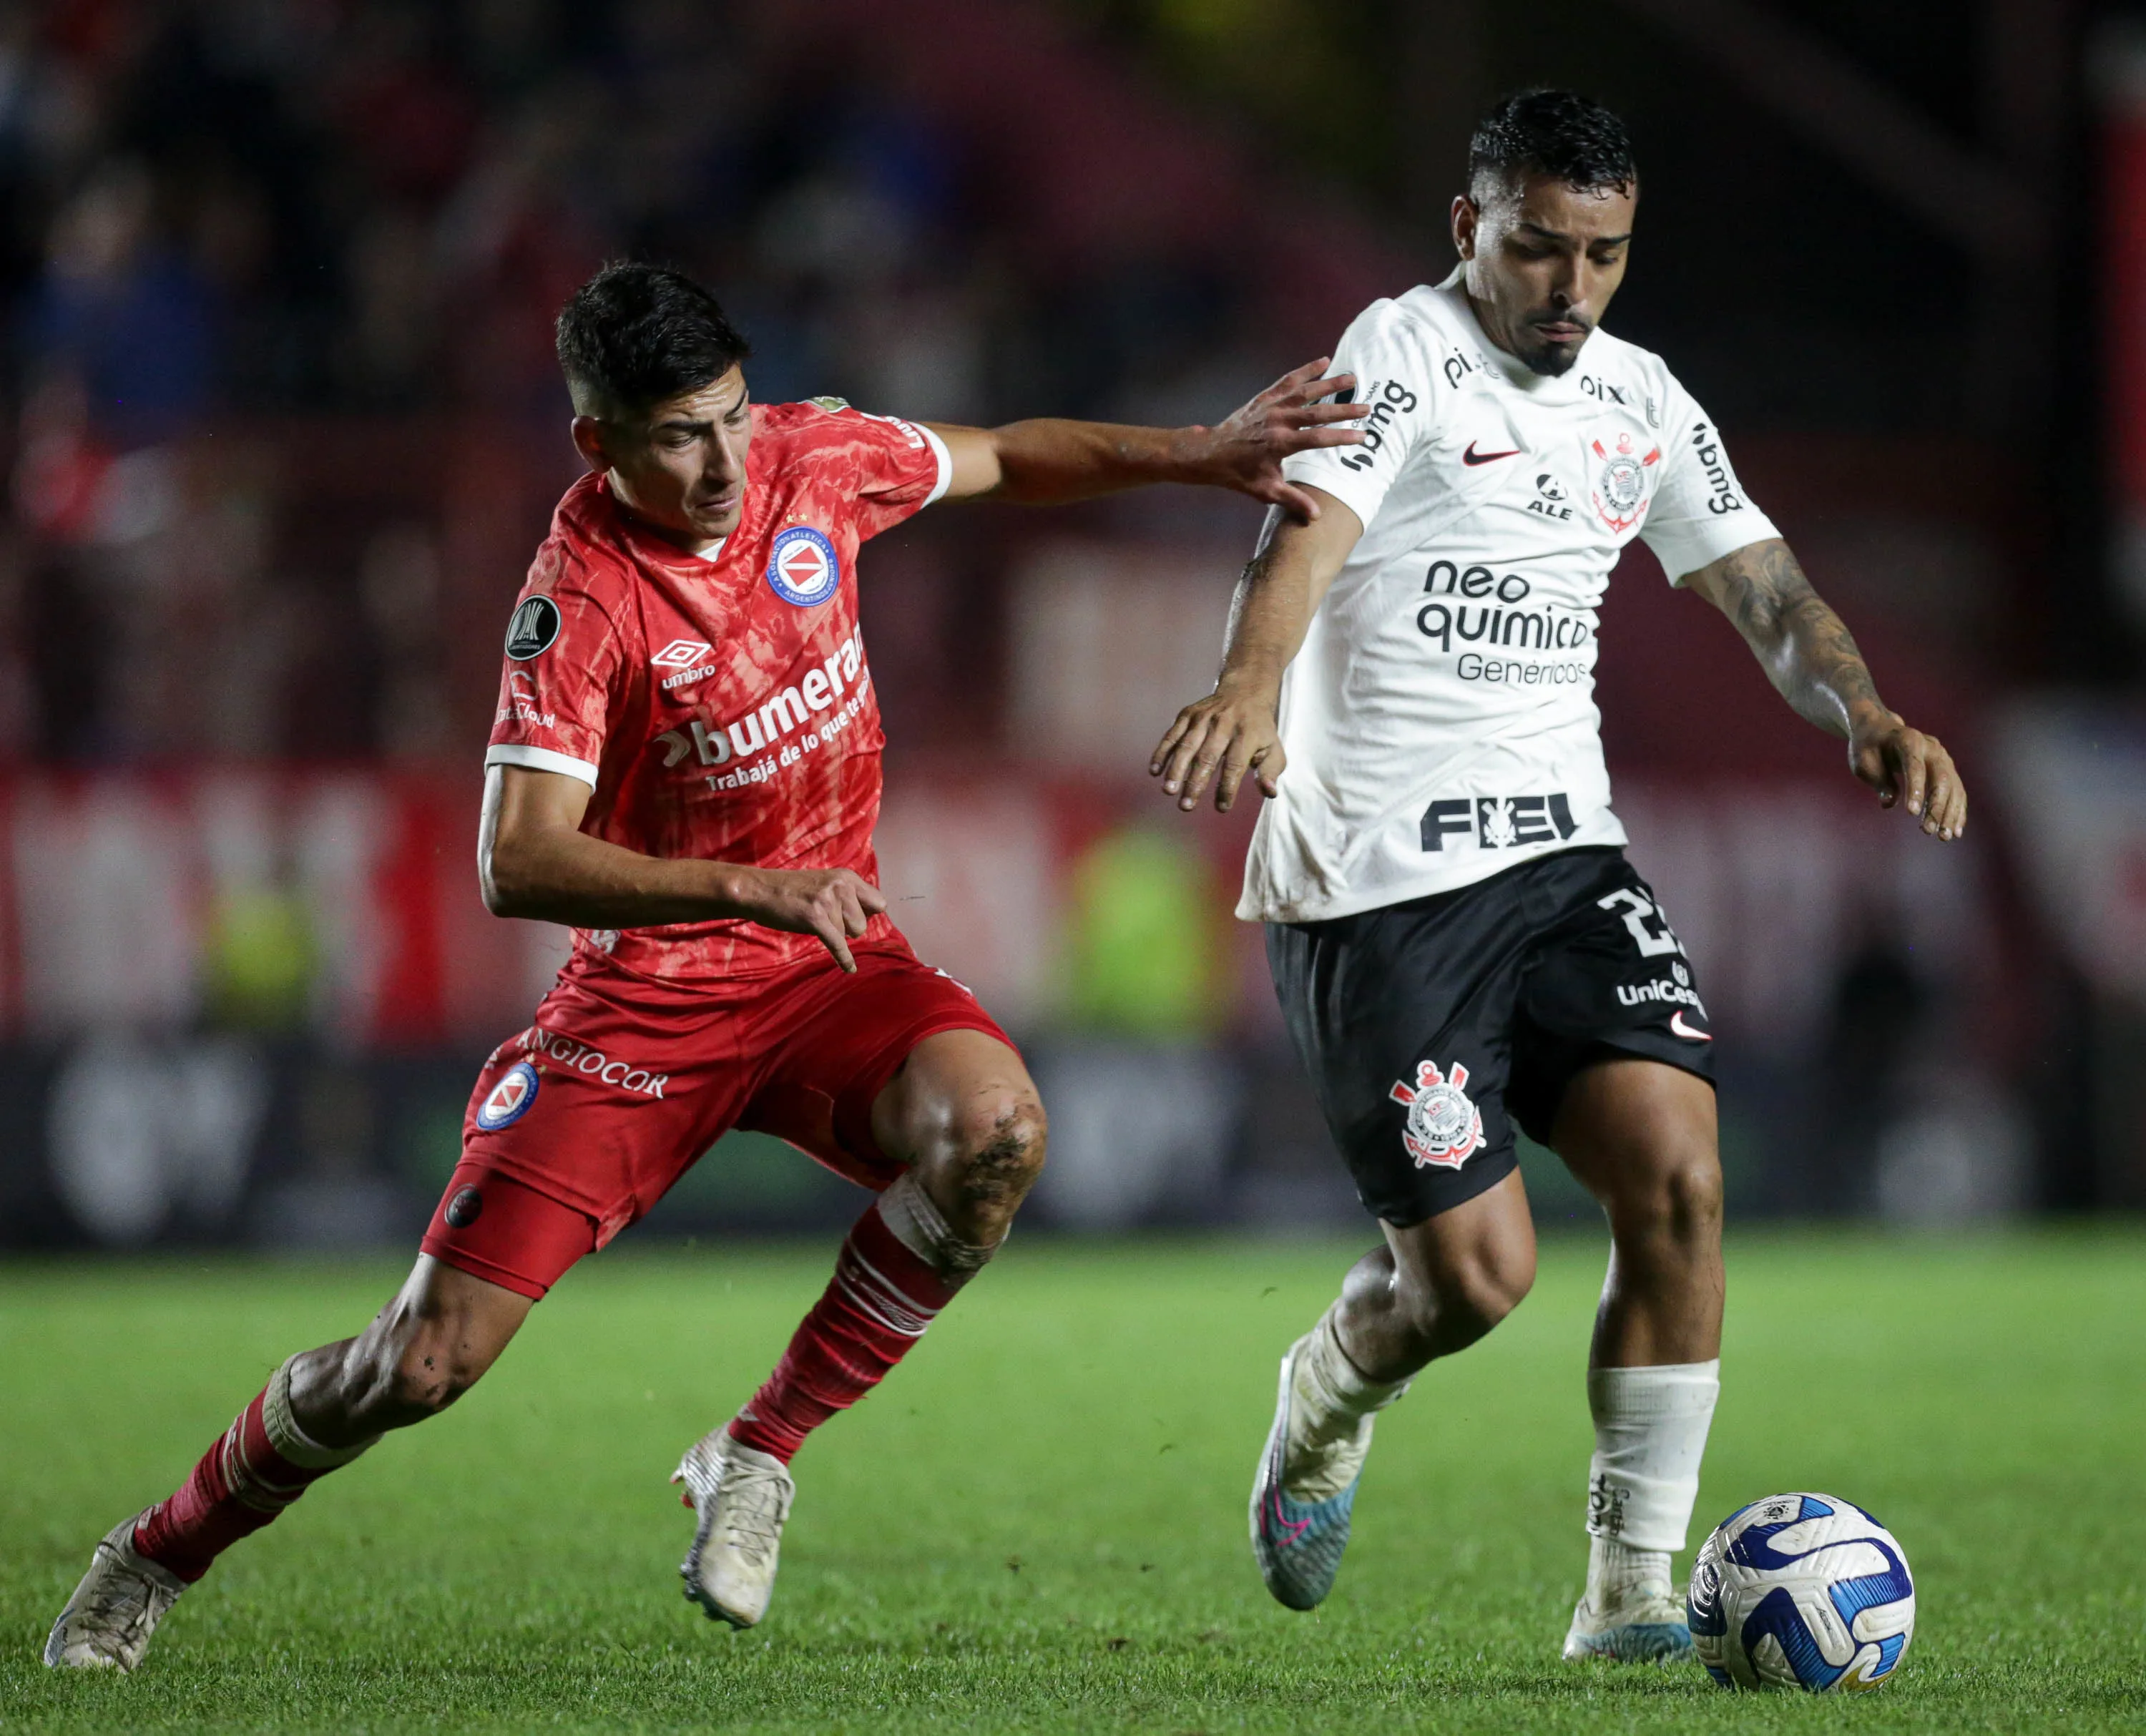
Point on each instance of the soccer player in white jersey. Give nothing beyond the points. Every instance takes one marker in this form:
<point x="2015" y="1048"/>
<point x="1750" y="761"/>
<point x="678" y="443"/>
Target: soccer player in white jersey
<point x="1456" y="940"/>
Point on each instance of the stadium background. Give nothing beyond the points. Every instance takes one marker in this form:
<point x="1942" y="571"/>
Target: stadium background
<point x="281" y="428"/>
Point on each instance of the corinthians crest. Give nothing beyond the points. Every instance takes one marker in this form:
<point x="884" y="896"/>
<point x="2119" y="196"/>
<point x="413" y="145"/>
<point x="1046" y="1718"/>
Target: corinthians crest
<point x="1443" y="1127"/>
<point x="1621" y="484"/>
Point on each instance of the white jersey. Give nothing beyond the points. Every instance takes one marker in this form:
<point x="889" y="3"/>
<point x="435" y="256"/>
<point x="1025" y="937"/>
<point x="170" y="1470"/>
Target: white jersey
<point x="1439" y="720"/>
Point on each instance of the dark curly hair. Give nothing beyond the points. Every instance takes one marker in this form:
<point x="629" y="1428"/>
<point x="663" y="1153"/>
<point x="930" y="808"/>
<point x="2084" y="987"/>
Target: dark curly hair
<point x="634" y="335"/>
<point x="1553" y="132"/>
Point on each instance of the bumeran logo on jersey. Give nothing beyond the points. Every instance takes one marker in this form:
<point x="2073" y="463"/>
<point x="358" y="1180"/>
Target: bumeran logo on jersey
<point x="828" y="700"/>
<point x="1443" y="1127"/>
<point x="802" y="568"/>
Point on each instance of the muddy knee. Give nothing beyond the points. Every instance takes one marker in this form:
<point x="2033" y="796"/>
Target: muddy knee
<point x="993" y="1155"/>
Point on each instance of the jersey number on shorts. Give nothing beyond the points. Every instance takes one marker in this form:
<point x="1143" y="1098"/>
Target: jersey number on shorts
<point x="1638" y="912"/>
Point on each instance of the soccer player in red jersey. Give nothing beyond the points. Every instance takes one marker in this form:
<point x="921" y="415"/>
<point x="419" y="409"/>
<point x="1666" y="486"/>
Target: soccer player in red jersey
<point x="684" y="767"/>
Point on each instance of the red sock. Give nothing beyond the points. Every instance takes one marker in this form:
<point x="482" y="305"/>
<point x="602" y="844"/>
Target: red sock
<point x="881" y="1300"/>
<point x="241" y="1483"/>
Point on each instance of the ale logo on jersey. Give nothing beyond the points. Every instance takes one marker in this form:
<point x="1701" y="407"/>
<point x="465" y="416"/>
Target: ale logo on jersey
<point x="802" y="568"/>
<point x="1443" y="1129"/>
<point x="1621" y="485"/>
<point x="509" y="1100"/>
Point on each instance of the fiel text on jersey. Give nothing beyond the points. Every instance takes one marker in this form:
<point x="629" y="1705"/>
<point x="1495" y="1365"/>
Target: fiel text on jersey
<point x="1499" y="822"/>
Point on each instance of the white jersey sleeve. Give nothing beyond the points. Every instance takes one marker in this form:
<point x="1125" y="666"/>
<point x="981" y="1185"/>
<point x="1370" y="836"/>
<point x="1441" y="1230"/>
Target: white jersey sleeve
<point x="1397" y="383"/>
<point x="1700" y="510"/>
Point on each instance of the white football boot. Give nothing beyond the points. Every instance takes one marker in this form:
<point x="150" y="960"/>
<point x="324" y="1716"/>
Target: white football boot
<point x="107" y="1622"/>
<point x="743" y="1497"/>
<point x="1297" y="1540"/>
<point x="1630" y="1611"/>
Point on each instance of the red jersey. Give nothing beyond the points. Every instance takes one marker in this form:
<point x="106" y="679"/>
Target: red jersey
<point x="720" y="705"/>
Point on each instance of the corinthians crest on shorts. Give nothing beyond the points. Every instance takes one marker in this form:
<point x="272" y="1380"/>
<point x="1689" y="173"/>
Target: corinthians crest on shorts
<point x="1620" y="481"/>
<point x="1445" y="1128"/>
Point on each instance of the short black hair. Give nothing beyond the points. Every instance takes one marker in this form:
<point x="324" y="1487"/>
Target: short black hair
<point x="1553" y="132"/>
<point x="634" y="335"/>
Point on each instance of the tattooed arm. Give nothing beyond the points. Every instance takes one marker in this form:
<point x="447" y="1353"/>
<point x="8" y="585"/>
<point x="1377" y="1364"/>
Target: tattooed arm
<point x="1810" y="655"/>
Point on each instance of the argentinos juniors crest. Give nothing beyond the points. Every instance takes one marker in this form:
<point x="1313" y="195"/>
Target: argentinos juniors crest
<point x="1445" y="1128"/>
<point x="1620" y="481"/>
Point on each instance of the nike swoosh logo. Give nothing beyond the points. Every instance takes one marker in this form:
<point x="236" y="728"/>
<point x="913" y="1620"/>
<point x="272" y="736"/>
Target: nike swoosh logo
<point x="1682" y="1030"/>
<point x="1472" y="456"/>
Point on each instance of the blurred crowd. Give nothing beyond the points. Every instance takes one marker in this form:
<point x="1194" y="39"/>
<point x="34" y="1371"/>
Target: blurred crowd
<point x="250" y="246"/>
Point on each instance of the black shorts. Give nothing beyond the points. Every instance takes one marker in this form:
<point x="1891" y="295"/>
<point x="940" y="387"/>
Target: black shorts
<point x="1429" y="1027"/>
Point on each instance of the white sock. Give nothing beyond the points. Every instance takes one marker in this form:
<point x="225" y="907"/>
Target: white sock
<point x="1650" y="1434"/>
<point x="1330" y="1418"/>
<point x="919" y="1226"/>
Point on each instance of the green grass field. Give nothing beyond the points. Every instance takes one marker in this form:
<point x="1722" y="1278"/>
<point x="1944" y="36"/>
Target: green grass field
<point x="1038" y="1522"/>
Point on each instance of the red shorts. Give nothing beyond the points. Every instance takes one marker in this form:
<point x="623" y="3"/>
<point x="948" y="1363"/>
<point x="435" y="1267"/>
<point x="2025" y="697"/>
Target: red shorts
<point x="582" y="1123"/>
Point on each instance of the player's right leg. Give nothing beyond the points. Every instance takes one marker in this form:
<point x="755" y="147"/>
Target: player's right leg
<point x="957" y="1118"/>
<point x="1433" y="1289"/>
<point x="319" y="1411"/>
<point x="1402" y="1016"/>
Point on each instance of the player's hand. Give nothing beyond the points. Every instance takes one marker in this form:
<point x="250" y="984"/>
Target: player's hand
<point x="1224" y="736"/>
<point x="833" y="903"/>
<point x="1245" y="450"/>
<point x="1903" y="765"/>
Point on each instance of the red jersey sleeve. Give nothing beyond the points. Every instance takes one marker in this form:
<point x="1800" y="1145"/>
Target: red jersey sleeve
<point x="892" y="468"/>
<point x="561" y="685"/>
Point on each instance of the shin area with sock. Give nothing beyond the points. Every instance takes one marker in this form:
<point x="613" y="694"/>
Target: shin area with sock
<point x="260" y="1464"/>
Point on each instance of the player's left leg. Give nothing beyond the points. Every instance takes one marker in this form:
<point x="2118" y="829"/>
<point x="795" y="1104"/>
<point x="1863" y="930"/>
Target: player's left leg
<point x="963" y="1117"/>
<point x="1641" y="1136"/>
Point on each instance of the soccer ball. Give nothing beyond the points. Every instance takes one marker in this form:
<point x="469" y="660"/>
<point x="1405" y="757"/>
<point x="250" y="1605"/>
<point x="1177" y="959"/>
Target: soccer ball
<point x="1801" y="1591"/>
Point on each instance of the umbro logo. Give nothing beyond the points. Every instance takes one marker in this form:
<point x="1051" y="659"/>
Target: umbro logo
<point x="681" y="654"/>
<point x="1472" y="456"/>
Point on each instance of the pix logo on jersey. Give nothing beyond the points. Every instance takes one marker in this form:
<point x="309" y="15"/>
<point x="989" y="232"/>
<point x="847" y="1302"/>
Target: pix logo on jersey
<point x="803" y="567"/>
<point x="1445" y="1128"/>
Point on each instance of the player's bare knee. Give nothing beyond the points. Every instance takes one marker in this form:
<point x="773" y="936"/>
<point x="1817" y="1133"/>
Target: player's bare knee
<point x="1672" y="1204"/>
<point x="1480" y="1291"/>
<point x="999" y="1143"/>
<point x="1457" y="1304"/>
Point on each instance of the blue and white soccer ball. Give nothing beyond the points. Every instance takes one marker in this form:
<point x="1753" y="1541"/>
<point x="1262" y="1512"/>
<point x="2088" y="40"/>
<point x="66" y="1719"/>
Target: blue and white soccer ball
<point x="1801" y="1591"/>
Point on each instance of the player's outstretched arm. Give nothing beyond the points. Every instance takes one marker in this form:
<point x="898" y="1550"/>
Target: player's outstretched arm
<point x="1050" y="461"/>
<point x="533" y="860"/>
<point x="1233" y="731"/>
<point x="1810" y="655"/>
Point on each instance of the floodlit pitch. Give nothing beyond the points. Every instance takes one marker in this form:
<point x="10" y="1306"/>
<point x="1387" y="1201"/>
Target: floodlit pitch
<point x="1041" y="1525"/>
